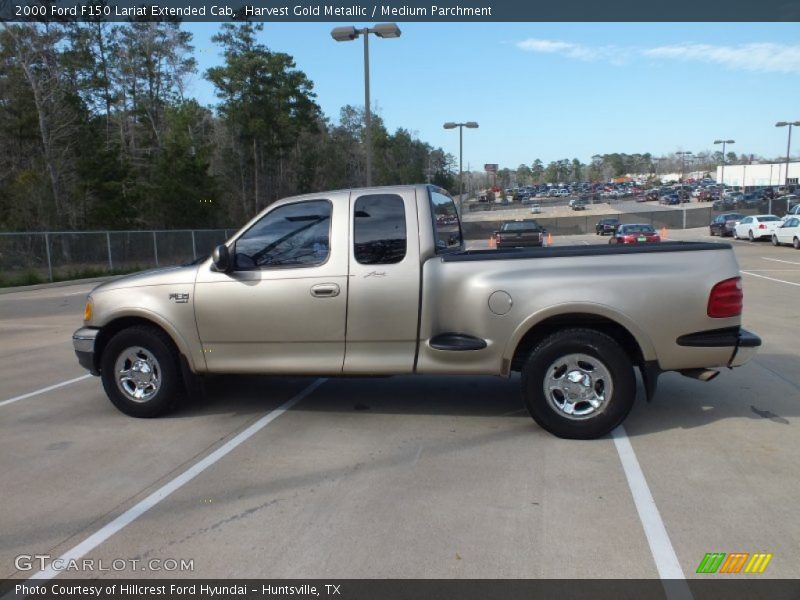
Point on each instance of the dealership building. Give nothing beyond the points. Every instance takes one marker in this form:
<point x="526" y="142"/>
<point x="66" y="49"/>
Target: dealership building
<point x="759" y="175"/>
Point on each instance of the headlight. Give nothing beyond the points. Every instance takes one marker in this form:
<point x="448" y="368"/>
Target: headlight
<point x="87" y="311"/>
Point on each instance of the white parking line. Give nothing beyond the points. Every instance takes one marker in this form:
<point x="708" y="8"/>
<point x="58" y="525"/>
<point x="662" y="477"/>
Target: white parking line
<point x="788" y="262"/>
<point x="43" y="390"/>
<point x="771" y="278"/>
<point x="657" y="538"/>
<point x="136" y="511"/>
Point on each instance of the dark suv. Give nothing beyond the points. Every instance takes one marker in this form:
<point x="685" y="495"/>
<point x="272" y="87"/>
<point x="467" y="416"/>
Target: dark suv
<point x="605" y="226"/>
<point x="723" y="225"/>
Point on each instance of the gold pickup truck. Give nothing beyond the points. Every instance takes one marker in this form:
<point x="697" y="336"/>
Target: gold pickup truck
<point x="377" y="282"/>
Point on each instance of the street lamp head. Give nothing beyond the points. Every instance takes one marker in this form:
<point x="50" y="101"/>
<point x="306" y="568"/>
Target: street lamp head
<point x="386" y="30"/>
<point x="471" y="125"/>
<point x="450" y="125"/>
<point x="344" y="34"/>
<point x="781" y="124"/>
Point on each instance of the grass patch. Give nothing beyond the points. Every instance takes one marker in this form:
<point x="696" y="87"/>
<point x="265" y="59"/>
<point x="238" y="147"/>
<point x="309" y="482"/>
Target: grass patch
<point x="33" y="277"/>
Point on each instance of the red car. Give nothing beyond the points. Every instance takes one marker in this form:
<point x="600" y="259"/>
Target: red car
<point x="634" y="234"/>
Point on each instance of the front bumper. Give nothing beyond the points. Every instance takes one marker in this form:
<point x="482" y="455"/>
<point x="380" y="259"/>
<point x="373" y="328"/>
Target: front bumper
<point x="743" y="343"/>
<point x="83" y="342"/>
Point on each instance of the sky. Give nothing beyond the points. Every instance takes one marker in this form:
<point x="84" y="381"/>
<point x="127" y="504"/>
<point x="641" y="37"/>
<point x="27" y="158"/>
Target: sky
<point x="555" y="90"/>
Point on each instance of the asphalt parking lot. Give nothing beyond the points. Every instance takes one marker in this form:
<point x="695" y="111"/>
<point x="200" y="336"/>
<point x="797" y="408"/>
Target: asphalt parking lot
<point x="403" y="477"/>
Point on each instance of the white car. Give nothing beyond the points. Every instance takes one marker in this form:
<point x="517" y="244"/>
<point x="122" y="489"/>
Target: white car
<point x="788" y="233"/>
<point x="756" y="227"/>
<point x="794" y="209"/>
<point x="536" y="209"/>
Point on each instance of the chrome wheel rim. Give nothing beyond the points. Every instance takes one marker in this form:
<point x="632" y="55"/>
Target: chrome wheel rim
<point x="138" y="374"/>
<point x="578" y="386"/>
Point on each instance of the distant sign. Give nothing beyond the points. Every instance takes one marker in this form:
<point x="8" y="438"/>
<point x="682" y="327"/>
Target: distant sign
<point x="490" y="168"/>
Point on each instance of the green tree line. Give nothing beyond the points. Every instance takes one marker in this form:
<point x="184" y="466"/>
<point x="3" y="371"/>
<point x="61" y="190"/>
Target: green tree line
<point x="97" y="131"/>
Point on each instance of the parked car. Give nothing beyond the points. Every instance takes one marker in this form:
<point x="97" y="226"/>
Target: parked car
<point x="751" y="200"/>
<point x="579" y="204"/>
<point x="723" y="204"/>
<point x="756" y="227"/>
<point x="723" y="225"/>
<point x="788" y="233"/>
<point x="605" y="226"/>
<point x="519" y="234"/>
<point x="635" y="233"/>
<point x="536" y="208"/>
<point x="670" y="199"/>
<point x="363" y="282"/>
<point x="794" y="208"/>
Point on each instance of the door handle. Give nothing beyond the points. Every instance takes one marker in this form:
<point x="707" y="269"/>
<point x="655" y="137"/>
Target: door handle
<point x="325" y="290"/>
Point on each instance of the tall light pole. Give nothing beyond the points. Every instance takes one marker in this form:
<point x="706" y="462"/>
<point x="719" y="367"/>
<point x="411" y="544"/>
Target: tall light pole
<point x="722" y="173"/>
<point x="788" y="147"/>
<point x="348" y="34"/>
<point x="468" y="125"/>
<point x="682" y="154"/>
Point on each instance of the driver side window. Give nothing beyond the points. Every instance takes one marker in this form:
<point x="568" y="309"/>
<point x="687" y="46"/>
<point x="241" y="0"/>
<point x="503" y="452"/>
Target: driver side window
<point x="294" y="235"/>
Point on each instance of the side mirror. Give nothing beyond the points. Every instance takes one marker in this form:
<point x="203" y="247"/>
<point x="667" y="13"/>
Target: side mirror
<point x="222" y="259"/>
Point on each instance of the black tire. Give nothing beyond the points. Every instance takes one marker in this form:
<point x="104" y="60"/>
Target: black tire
<point x="750" y="236"/>
<point x="775" y="240"/>
<point x="158" y="351"/>
<point x="796" y="243"/>
<point x="710" y="232"/>
<point x="605" y="353"/>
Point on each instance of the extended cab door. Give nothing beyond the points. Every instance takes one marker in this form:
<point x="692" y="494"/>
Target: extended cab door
<point x="282" y="309"/>
<point x="383" y="298"/>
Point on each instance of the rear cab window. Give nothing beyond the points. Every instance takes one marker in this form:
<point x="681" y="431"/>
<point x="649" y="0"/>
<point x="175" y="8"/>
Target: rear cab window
<point x="379" y="229"/>
<point x="446" y="225"/>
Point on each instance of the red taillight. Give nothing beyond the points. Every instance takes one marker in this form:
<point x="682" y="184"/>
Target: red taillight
<point x="629" y="239"/>
<point x="725" y="299"/>
<point x="762" y="226"/>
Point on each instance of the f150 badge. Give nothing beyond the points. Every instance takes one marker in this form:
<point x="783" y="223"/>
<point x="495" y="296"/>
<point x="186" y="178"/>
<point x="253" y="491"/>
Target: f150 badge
<point x="179" y="298"/>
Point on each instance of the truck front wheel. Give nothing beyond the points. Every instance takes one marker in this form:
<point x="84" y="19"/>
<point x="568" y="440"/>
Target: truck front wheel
<point x="578" y="384"/>
<point x="140" y="372"/>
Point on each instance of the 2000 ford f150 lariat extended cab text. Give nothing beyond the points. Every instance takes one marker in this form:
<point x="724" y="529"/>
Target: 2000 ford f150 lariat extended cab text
<point x="377" y="282"/>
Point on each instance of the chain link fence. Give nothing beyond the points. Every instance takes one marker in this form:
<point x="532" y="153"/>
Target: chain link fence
<point x="27" y="258"/>
<point x="57" y="255"/>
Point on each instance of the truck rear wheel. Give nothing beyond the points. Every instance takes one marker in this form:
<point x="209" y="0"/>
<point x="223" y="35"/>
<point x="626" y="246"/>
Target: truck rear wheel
<point x="578" y="384"/>
<point x="140" y="372"/>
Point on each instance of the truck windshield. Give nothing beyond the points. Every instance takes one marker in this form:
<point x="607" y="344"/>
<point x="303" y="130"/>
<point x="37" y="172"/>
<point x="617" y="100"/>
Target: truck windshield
<point x="447" y="229"/>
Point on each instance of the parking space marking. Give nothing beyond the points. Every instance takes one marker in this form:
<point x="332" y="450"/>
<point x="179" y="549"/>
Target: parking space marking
<point x="44" y="390"/>
<point x="136" y="511"/>
<point x="771" y="278"/>
<point x="657" y="538"/>
<point x="788" y="262"/>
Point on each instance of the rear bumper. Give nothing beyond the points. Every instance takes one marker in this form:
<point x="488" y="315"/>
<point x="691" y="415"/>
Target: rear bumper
<point x="83" y="342"/>
<point x="743" y="343"/>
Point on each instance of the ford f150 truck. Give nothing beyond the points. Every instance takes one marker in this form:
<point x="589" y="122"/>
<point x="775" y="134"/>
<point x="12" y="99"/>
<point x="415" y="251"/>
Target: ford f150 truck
<point x="378" y="282"/>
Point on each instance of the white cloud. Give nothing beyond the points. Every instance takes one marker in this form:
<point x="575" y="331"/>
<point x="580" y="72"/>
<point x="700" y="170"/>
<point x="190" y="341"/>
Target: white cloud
<point x="769" y="57"/>
<point x="765" y="57"/>
<point x="570" y="50"/>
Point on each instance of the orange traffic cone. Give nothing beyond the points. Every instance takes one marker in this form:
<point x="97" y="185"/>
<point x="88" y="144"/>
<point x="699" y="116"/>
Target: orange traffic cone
<point x="492" y="242"/>
<point x="663" y="233"/>
<point x="549" y="239"/>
